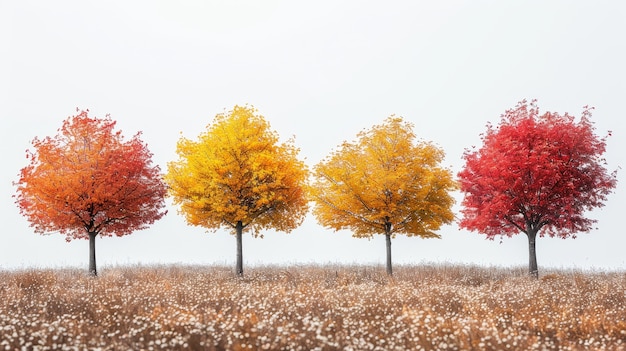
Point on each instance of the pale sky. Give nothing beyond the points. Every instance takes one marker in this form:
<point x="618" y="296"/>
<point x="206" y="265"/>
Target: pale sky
<point x="320" y="71"/>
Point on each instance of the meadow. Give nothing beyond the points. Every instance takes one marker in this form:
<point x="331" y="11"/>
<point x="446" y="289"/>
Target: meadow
<point x="427" y="307"/>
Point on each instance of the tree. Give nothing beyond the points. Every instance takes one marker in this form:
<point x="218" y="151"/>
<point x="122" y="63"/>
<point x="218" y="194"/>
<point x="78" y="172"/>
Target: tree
<point x="535" y="174"/>
<point x="386" y="184"/>
<point x="238" y="176"/>
<point x="87" y="181"/>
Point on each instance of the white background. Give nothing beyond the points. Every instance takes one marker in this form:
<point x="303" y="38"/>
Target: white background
<point x="319" y="70"/>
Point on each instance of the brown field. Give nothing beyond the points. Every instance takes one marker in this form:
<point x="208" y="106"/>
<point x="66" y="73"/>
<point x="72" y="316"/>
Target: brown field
<point x="312" y="308"/>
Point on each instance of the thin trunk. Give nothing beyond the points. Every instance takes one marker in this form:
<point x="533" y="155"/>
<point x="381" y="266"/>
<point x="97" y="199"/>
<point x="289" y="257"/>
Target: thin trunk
<point x="92" y="254"/>
<point x="388" y="240"/>
<point x="389" y="269"/>
<point x="239" y="232"/>
<point x="532" y="253"/>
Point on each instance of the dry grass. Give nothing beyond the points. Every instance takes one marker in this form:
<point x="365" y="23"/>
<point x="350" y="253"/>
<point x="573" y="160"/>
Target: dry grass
<point x="312" y="308"/>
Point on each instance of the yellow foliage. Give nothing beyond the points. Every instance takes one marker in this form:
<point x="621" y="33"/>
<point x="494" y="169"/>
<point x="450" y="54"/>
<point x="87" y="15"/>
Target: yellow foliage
<point x="238" y="172"/>
<point x="384" y="184"/>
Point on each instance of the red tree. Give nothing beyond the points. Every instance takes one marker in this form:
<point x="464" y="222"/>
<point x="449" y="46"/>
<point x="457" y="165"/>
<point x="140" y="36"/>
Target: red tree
<point x="535" y="174"/>
<point x="87" y="181"/>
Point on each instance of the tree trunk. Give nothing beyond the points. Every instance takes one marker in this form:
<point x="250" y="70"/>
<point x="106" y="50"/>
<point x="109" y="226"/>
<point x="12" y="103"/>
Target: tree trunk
<point x="389" y="269"/>
<point x="388" y="240"/>
<point x="92" y="254"/>
<point x="239" y="233"/>
<point x="532" y="254"/>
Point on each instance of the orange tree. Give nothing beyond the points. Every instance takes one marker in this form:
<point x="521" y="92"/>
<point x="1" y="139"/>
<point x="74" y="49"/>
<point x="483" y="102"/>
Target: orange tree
<point x="535" y="174"/>
<point x="237" y="175"/>
<point x="384" y="183"/>
<point x="88" y="181"/>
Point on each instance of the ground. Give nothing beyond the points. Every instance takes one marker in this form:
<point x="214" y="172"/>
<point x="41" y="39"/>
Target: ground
<point x="438" y="307"/>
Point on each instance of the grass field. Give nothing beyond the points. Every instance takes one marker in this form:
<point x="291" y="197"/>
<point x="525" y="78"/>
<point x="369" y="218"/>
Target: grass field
<point x="312" y="308"/>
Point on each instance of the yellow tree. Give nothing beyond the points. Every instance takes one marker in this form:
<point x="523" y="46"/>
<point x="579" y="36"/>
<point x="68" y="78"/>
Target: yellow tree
<point x="237" y="175"/>
<point x="384" y="183"/>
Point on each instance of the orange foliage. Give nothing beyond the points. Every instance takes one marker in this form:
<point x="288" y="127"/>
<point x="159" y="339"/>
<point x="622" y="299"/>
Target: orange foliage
<point x="384" y="184"/>
<point x="88" y="180"/>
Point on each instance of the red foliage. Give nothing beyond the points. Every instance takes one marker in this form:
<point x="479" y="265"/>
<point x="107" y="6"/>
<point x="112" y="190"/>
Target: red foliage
<point x="87" y="179"/>
<point x="535" y="172"/>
